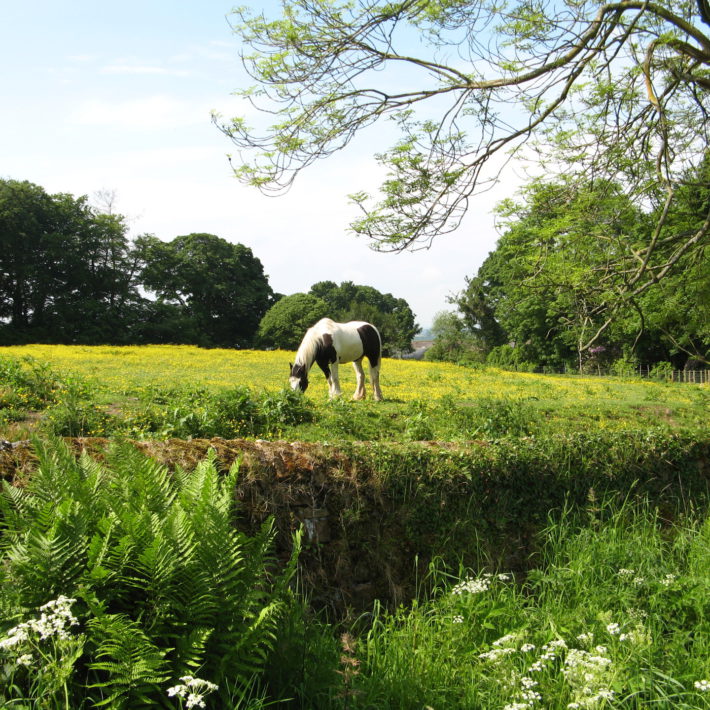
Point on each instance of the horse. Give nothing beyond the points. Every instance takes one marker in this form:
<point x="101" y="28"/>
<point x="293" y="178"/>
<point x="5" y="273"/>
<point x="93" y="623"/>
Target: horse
<point x="329" y="343"/>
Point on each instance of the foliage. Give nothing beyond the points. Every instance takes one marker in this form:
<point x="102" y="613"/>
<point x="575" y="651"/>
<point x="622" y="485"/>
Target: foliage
<point x="220" y="286"/>
<point x="285" y="323"/>
<point x="616" y="91"/>
<point x="67" y="273"/>
<point x="615" y="615"/>
<point x="163" y="582"/>
<point x="547" y="287"/>
<point x="453" y="342"/>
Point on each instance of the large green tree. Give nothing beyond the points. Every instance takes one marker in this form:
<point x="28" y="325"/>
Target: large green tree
<point x="67" y="271"/>
<point x="286" y="322"/>
<point x="220" y="286"/>
<point x="619" y="89"/>
<point x="543" y="295"/>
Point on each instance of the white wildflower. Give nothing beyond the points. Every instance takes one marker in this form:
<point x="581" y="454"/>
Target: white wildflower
<point x="15" y="637"/>
<point x="458" y="619"/>
<point x="504" y="640"/>
<point x="623" y="572"/>
<point x="586" y="637"/>
<point x="194" y="700"/>
<point x="702" y="685"/>
<point x="668" y="580"/>
<point x="472" y="586"/>
<point x="527" y="647"/>
<point x="496" y="653"/>
<point x="192" y="690"/>
<point x="24" y="660"/>
<point x="55" y="619"/>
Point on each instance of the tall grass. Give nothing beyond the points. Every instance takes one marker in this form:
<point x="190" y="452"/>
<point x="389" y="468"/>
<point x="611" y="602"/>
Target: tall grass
<point x="616" y="614"/>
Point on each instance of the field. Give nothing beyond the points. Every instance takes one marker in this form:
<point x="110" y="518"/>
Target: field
<point x="126" y="584"/>
<point x="141" y="390"/>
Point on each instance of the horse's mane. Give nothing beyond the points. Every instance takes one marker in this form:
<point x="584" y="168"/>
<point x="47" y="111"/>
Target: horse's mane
<point x="306" y="353"/>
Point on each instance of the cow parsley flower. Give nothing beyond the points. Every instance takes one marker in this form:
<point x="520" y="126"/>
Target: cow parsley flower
<point x="192" y="690"/>
<point x="668" y="580"/>
<point x="472" y="586"/>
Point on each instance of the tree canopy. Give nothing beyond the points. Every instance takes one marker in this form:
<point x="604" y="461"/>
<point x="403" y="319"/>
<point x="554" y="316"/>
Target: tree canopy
<point x="286" y="322"/>
<point x="69" y="273"/>
<point x="221" y="286"/>
<point x="614" y="91"/>
<point x="541" y="296"/>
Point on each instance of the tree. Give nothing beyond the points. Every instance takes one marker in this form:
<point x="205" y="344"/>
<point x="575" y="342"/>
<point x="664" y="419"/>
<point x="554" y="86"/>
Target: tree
<point x="221" y="286"/>
<point x="618" y="90"/>
<point x="545" y="289"/>
<point x="392" y="316"/>
<point x="25" y="223"/>
<point x="67" y="272"/>
<point x="453" y="342"/>
<point x="286" y="322"/>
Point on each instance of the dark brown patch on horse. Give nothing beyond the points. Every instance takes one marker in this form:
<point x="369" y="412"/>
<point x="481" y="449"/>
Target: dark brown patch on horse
<point x="370" y="344"/>
<point x="301" y="372"/>
<point x="325" y="354"/>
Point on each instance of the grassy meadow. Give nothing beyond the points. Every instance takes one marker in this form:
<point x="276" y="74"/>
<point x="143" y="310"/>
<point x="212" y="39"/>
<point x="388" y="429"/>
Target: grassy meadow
<point x="140" y="390"/>
<point x="126" y="585"/>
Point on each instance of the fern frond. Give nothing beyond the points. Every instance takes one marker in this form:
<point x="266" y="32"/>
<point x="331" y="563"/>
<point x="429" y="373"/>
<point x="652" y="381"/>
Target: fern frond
<point x="133" y="666"/>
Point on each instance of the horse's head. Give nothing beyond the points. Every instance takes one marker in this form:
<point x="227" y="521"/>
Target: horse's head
<point x="298" y="377"/>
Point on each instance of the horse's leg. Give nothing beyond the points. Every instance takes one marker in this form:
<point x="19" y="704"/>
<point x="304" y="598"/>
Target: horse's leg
<point x="334" y="381"/>
<point x="360" y="376"/>
<point x="375" y="380"/>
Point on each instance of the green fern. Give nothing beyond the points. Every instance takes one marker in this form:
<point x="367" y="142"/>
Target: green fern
<point x="132" y="668"/>
<point x="167" y="584"/>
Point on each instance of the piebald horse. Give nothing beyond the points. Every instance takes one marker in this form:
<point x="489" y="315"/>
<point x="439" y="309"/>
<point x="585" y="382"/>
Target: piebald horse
<point x="328" y="344"/>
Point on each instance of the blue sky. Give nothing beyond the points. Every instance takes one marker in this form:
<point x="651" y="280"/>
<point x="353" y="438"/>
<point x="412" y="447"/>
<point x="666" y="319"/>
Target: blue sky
<point x="117" y="97"/>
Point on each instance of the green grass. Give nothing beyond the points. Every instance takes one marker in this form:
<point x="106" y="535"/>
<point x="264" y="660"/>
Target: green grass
<point x="617" y="614"/>
<point x="183" y="392"/>
<point x="612" y="612"/>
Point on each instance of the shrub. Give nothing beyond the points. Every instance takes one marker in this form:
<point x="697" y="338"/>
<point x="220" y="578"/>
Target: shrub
<point x="625" y="366"/>
<point x="662" y="371"/>
<point x="284" y="408"/>
<point x="73" y="416"/>
<point x="32" y="382"/>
